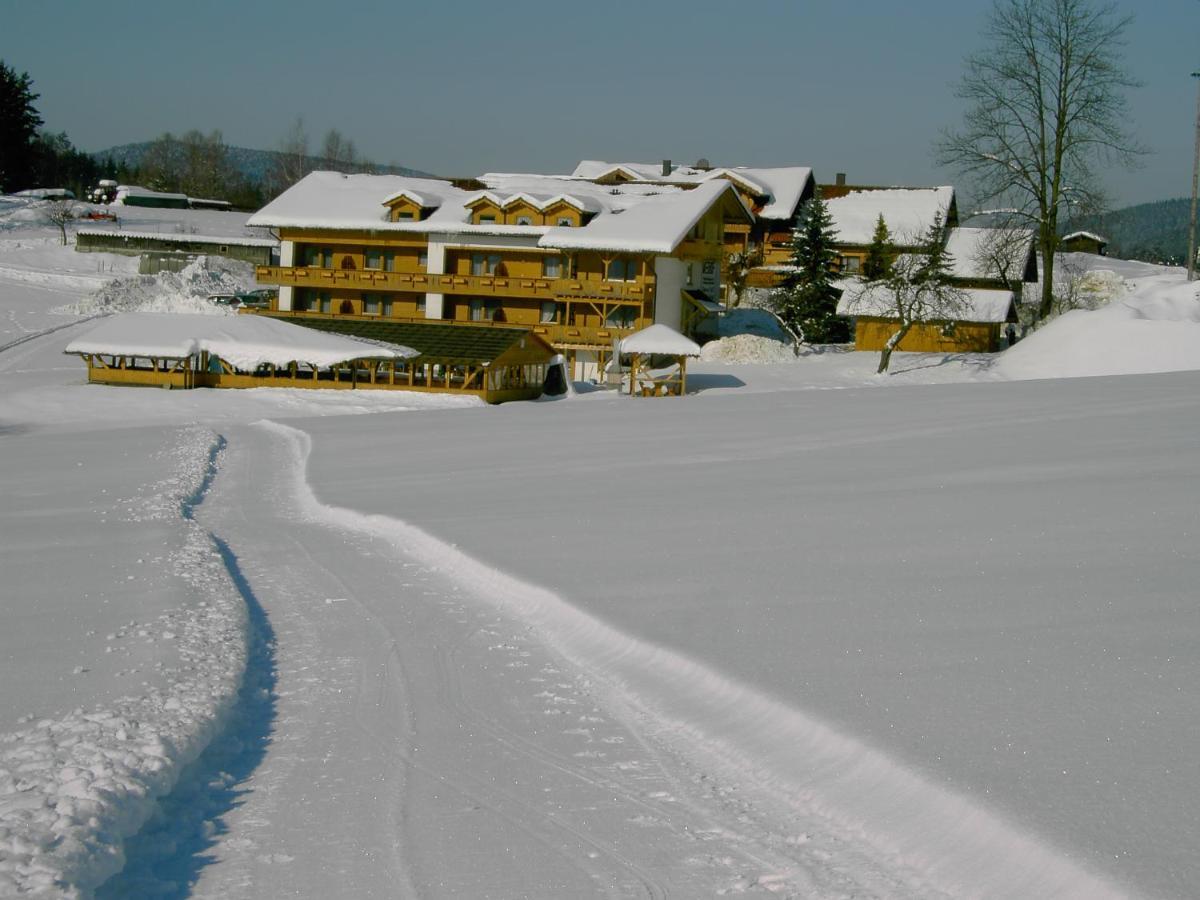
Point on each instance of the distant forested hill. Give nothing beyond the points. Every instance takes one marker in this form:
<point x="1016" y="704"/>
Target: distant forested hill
<point x="1151" y="232"/>
<point x="254" y="165"/>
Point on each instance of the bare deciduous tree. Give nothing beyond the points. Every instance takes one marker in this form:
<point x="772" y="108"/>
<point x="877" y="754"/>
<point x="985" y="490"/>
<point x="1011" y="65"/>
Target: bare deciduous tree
<point x="59" y="213"/>
<point x="1046" y="102"/>
<point x="917" y="290"/>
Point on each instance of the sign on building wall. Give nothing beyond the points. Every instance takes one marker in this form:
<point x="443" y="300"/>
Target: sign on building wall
<point x="710" y="278"/>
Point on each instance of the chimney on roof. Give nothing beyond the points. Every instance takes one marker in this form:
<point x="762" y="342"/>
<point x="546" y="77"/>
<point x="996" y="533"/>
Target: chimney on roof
<point x="840" y="179"/>
<point x="666" y="168"/>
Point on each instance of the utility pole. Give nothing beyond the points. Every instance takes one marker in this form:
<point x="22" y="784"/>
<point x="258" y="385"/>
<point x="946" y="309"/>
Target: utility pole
<point x="1191" y="265"/>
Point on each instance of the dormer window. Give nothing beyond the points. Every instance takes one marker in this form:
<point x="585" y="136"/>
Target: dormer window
<point x="402" y="214"/>
<point x="487" y="218"/>
<point x="565" y="222"/>
<point x="524" y="220"/>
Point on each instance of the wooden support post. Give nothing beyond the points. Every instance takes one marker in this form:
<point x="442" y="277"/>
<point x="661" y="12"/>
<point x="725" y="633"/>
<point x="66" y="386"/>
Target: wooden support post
<point x="682" y="375"/>
<point x="633" y="368"/>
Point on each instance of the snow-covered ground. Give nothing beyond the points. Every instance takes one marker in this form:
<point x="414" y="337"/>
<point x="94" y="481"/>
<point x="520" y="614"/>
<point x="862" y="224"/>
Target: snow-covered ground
<point x="807" y="632"/>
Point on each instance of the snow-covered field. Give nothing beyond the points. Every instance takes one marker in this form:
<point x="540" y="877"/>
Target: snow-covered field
<point x="807" y="632"/>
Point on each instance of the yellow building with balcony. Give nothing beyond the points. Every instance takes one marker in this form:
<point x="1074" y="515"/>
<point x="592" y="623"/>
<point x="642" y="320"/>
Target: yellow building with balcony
<point x="577" y="263"/>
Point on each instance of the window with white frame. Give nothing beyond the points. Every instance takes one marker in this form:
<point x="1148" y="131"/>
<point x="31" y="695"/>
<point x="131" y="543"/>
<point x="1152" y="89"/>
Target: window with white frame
<point x="371" y="304"/>
<point x="552" y="267"/>
<point x="373" y="258"/>
<point x="565" y="222"/>
<point x="851" y="264"/>
<point x="524" y="220"/>
<point x="549" y="314"/>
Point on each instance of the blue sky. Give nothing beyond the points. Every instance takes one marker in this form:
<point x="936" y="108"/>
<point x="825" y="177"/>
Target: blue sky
<point x="463" y="88"/>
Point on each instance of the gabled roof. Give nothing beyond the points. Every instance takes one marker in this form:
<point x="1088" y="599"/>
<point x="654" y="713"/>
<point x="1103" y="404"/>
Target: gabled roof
<point x="780" y="189"/>
<point x="908" y="213"/>
<point x="992" y="254"/>
<point x="656" y="225"/>
<point x="661" y="339"/>
<point x="862" y="298"/>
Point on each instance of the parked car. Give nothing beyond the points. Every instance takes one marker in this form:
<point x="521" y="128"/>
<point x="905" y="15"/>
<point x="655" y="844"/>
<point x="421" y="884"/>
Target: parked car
<point x="232" y="300"/>
<point x="259" y="298"/>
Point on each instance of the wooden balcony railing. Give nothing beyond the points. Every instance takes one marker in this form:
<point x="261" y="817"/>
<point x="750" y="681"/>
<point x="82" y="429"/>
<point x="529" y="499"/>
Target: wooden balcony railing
<point x="475" y="285"/>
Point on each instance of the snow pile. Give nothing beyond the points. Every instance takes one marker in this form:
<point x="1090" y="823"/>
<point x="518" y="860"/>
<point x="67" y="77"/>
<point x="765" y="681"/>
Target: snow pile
<point x="186" y="291"/>
<point x="72" y="788"/>
<point x="1151" y="325"/>
<point x="747" y="348"/>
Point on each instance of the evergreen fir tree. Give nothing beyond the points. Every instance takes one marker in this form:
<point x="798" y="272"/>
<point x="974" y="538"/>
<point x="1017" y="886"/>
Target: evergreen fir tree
<point x="807" y="300"/>
<point x="881" y="253"/>
<point x="19" y="123"/>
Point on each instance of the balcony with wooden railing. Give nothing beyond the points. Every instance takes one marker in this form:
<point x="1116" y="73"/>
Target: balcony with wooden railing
<point x="476" y="285"/>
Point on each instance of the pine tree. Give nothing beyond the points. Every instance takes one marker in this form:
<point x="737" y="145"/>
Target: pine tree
<point x="19" y="122"/>
<point x="881" y="253"/>
<point x="807" y="300"/>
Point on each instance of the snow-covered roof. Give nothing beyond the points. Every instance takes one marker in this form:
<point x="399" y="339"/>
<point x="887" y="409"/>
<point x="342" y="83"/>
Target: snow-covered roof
<point x="661" y="339"/>
<point x="178" y="237"/>
<point x="133" y="190"/>
<point x="1090" y="235"/>
<point x="656" y="225"/>
<point x="782" y="187"/>
<point x="989" y="253"/>
<point x="541" y="201"/>
<point x="908" y="213"/>
<point x="244" y="342"/>
<point x="629" y="218"/>
<point x="861" y="298"/>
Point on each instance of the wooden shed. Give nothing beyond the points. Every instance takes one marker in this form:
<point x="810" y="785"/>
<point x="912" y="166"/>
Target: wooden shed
<point x="975" y="326"/>
<point x="1084" y="242"/>
<point x="498" y="364"/>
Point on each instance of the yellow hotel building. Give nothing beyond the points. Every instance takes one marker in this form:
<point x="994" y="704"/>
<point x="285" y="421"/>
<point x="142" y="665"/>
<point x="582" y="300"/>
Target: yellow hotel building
<point x="577" y="262"/>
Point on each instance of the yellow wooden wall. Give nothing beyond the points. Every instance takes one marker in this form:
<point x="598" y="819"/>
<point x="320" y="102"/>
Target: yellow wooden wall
<point x="968" y="337"/>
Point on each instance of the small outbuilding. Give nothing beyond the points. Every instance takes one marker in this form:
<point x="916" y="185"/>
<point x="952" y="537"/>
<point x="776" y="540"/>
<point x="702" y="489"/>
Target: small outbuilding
<point x="651" y="345"/>
<point x="1084" y="242"/>
<point x="974" y="326"/>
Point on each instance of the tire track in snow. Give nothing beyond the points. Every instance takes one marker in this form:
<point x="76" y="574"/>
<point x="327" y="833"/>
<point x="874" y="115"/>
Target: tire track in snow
<point x="896" y="830"/>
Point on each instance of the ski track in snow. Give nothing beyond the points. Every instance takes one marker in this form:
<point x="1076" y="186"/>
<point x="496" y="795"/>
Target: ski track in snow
<point x="841" y="806"/>
<point x="73" y="788"/>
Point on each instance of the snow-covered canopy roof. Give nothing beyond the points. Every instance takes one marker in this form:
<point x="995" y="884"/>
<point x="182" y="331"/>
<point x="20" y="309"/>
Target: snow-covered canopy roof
<point x="133" y="190"/>
<point x="908" y="213"/>
<point x="861" y="298"/>
<point x="624" y="218"/>
<point x="244" y="342"/>
<point x="179" y="237"/>
<point x="990" y="253"/>
<point x="660" y="339"/>
<point x="779" y="188"/>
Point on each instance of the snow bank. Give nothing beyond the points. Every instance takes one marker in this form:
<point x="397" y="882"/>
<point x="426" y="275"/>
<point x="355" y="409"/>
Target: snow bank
<point x="72" y="788"/>
<point x="185" y="291"/>
<point x="1154" y="327"/>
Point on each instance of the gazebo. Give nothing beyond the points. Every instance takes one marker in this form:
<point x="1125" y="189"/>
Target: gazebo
<point x="658" y="340"/>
